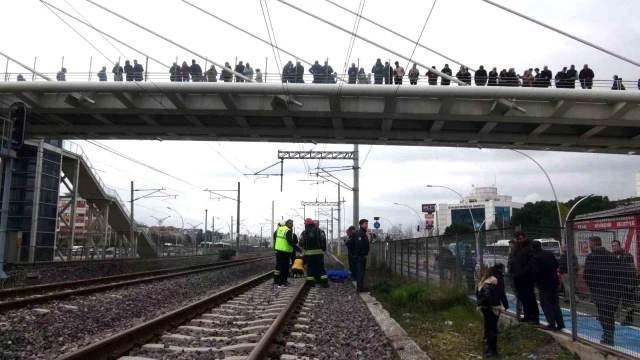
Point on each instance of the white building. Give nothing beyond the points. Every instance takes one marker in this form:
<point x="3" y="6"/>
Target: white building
<point x="485" y="203"/>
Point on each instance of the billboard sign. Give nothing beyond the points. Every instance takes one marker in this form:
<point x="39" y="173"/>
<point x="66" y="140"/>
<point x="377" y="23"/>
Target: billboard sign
<point x="428" y="208"/>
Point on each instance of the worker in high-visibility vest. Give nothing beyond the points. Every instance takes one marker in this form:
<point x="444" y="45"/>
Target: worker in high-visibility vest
<point x="314" y="244"/>
<point x="284" y="247"/>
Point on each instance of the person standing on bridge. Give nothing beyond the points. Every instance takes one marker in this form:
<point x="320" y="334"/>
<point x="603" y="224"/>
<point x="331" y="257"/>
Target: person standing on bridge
<point x="227" y="75"/>
<point x="362" y="251"/>
<point x="239" y="69"/>
<point x="545" y="77"/>
<point x="446" y="70"/>
<point x="586" y="77"/>
<point x="327" y="73"/>
<point x="432" y="76"/>
<point x="102" y="74"/>
<point x="175" y="73"/>
<point x="288" y="73"/>
<point x="284" y="247"/>
<point x="493" y="77"/>
<point x="378" y="72"/>
<point x="617" y="83"/>
<point x="299" y="73"/>
<point x="21" y="78"/>
<point x="248" y="71"/>
<point x="572" y="76"/>
<point x="398" y="74"/>
<point x="185" y="71"/>
<point x="117" y="72"/>
<point x="128" y="70"/>
<point x="138" y="70"/>
<point x="212" y="74"/>
<point x="314" y="243"/>
<point x="315" y="70"/>
<point x="481" y="76"/>
<point x="196" y="71"/>
<point x="353" y="73"/>
<point x="387" y="73"/>
<point x="414" y="75"/>
<point x="258" y="76"/>
<point x="62" y="75"/>
<point x="362" y="77"/>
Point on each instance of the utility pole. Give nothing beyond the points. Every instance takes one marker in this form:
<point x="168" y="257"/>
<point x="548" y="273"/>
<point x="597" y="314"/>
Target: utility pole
<point x="132" y="239"/>
<point x="339" y="221"/>
<point x="238" y="221"/>
<point x="213" y="229"/>
<point x="132" y="228"/>
<point x="332" y="224"/>
<point x="356" y="186"/>
<point x="231" y="231"/>
<point x="217" y="192"/>
<point x="206" y="217"/>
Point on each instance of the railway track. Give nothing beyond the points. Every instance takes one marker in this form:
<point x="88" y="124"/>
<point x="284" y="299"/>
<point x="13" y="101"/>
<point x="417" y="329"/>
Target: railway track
<point x="242" y="322"/>
<point x="21" y="297"/>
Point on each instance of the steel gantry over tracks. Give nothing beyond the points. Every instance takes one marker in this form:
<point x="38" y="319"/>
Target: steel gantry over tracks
<point x="554" y="119"/>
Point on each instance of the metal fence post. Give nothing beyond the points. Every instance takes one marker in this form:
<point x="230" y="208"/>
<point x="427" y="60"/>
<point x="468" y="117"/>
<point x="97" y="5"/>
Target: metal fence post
<point x="417" y="261"/>
<point x="426" y="259"/>
<point x="401" y="256"/>
<point x="457" y="276"/>
<point x="572" y="279"/>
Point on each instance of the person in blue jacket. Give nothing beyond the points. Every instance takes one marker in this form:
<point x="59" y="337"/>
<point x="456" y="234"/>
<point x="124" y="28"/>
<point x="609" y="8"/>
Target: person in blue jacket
<point x="353" y="73"/>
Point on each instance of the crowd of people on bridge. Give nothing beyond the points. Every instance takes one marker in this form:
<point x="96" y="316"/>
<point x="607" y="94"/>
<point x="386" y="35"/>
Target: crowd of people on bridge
<point x="387" y="73"/>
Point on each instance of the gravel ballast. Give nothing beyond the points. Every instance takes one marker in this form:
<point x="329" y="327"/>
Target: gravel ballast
<point x="58" y="272"/>
<point x="59" y="327"/>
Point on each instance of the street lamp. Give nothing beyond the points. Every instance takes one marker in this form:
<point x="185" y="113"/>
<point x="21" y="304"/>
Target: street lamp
<point x="479" y="252"/>
<point x="229" y="225"/>
<point x="418" y="215"/>
<point x="562" y="240"/>
<point x="182" y="228"/>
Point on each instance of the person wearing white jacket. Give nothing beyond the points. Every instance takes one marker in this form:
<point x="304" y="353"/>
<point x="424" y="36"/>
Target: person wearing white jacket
<point x="248" y="71"/>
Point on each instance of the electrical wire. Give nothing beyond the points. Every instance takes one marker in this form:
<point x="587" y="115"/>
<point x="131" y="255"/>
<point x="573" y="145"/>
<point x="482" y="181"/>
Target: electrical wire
<point x="225" y="159"/>
<point x="365" y="158"/>
<point x="354" y="31"/>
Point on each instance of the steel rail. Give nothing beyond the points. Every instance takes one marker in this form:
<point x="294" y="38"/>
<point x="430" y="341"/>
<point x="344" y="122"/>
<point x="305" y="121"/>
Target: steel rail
<point x="37" y="289"/>
<point x="123" y="341"/>
<point x="20" y="303"/>
<point x="264" y="345"/>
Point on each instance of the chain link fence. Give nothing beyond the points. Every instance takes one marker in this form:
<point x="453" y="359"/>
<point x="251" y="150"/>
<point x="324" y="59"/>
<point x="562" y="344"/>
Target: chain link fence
<point x="598" y="289"/>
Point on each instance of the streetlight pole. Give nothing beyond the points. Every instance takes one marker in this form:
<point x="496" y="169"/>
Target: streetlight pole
<point x="418" y="215"/>
<point x="562" y="240"/>
<point x="182" y="228"/>
<point x="229" y="225"/>
<point x="478" y="250"/>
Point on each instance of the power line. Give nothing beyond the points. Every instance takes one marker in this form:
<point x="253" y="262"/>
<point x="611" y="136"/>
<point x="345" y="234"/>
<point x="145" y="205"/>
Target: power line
<point x="85" y="19"/>
<point x="225" y="159"/>
<point x="365" y="158"/>
<point x="356" y="26"/>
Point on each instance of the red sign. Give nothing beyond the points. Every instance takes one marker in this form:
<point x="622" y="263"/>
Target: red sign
<point x="625" y="223"/>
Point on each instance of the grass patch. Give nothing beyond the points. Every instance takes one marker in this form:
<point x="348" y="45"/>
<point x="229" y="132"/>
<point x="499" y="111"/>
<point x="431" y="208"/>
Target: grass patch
<point x="445" y="324"/>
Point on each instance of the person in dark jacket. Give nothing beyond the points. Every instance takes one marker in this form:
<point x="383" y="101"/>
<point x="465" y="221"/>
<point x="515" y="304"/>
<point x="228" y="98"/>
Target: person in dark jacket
<point x="545" y="77"/>
<point x="315" y="70"/>
<point x="460" y="75"/>
<point x="563" y="261"/>
<point x="184" y="69"/>
<point x="572" y="76"/>
<point x="599" y="274"/>
<point x="497" y="271"/>
<point x="314" y="243"/>
<point x="502" y="78"/>
<point x="128" y="70"/>
<point x="326" y="70"/>
<point x="446" y="262"/>
<point x="350" y="241"/>
<point x="387" y="73"/>
<point x="469" y="267"/>
<point x="102" y="74"/>
<point x="446" y="70"/>
<point x="196" y="71"/>
<point x="138" y="70"/>
<point x="537" y="79"/>
<point x="117" y="72"/>
<point x="628" y="281"/>
<point x="21" y="78"/>
<point x="562" y="78"/>
<point x="523" y="279"/>
<point x="62" y="75"/>
<point x="544" y="267"/>
<point x="512" y="78"/>
<point x="493" y="77"/>
<point x="432" y="76"/>
<point x="488" y="298"/>
<point x="362" y="251"/>
<point x="299" y="73"/>
<point x="175" y="74"/>
<point x="617" y="83"/>
<point x="240" y="70"/>
<point x="284" y="246"/>
<point x="353" y="73"/>
<point x="378" y="72"/>
<point x="586" y="77"/>
<point x="480" y="77"/>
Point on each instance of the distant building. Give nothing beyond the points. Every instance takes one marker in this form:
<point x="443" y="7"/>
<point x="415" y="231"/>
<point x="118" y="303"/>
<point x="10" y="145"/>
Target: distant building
<point x="485" y="203"/>
<point x="82" y="218"/>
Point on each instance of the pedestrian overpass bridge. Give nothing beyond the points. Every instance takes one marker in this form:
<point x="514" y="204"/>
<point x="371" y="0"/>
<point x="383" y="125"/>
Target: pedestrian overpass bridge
<point x="599" y="121"/>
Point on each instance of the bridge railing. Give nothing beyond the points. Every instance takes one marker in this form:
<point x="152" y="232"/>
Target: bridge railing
<point x="306" y="78"/>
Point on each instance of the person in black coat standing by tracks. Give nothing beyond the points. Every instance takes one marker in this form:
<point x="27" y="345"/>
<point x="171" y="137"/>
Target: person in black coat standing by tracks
<point x="523" y="279"/>
<point x="350" y="241"/>
<point x="545" y="270"/>
<point x="600" y="276"/>
<point x="362" y="251"/>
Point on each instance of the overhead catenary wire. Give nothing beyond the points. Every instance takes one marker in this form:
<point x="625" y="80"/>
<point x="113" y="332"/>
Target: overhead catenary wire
<point x="352" y="41"/>
<point x="225" y="159"/>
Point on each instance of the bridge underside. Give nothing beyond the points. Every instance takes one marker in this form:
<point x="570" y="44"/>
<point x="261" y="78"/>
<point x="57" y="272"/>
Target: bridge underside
<point x="555" y="119"/>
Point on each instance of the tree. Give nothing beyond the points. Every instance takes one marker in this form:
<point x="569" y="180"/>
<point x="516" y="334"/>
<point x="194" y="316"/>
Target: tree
<point x="592" y="204"/>
<point x="540" y="213"/>
<point x="458" y="228"/>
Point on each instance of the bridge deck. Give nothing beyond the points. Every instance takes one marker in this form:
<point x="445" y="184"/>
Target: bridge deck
<point x="602" y="121"/>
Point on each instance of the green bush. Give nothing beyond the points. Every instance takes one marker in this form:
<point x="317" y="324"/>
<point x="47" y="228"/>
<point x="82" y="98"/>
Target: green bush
<point x="384" y="287"/>
<point x="417" y="293"/>
<point x="398" y="297"/>
<point x="226" y="254"/>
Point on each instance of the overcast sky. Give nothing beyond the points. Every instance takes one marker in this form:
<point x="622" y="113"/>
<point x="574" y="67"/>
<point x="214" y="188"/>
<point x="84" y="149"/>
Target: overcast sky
<point x="470" y="31"/>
